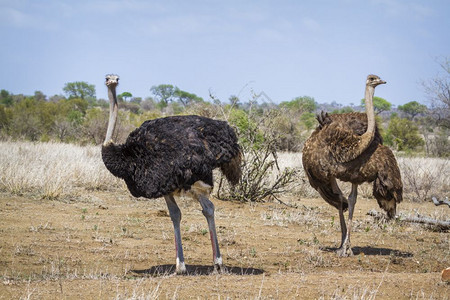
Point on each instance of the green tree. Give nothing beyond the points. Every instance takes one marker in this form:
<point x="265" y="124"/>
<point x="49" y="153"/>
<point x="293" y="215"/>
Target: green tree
<point x="186" y="98"/>
<point x="5" y="118"/>
<point x="5" y="98"/>
<point x="403" y="134"/>
<point x="39" y="96"/>
<point x="343" y="110"/>
<point x="75" y="104"/>
<point x="26" y="121"/>
<point x="308" y="119"/>
<point x="300" y="108"/>
<point x="68" y="119"/>
<point x="124" y="96"/>
<point x="379" y="104"/>
<point x="79" y="89"/>
<point x="301" y="104"/>
<point x="245" y="123"/>
<point x="413" y="109"/>
<point x="164" y="93"/>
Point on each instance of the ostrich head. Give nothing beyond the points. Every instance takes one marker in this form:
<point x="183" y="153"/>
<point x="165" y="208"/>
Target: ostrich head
<point x="112" y="81"/>
<point x="374" y="80"/>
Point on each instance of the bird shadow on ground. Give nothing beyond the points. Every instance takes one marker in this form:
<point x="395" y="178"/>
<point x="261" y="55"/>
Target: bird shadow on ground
<point x="196" y="270"/>
<point x="373" y="251"/>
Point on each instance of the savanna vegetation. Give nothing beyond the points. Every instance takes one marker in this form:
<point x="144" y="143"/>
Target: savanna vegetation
<point x="71" y="230"/>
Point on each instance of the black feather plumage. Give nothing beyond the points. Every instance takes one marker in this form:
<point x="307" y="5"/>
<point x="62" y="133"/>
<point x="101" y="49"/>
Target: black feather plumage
<point x="169" y="154"/>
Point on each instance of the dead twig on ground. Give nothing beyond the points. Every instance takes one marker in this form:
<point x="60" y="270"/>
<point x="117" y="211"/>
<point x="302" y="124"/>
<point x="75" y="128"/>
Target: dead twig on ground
<point x="441" y="225"/>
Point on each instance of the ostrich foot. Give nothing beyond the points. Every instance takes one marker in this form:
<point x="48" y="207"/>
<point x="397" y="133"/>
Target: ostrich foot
<point x="218" y="266"/>
<point x="345" y="250"/>
<point x="181" y="268"/>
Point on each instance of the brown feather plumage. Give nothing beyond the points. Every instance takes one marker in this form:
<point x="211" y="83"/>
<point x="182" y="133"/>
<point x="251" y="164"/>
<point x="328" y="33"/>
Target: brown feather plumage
<point x="328" y="155"/>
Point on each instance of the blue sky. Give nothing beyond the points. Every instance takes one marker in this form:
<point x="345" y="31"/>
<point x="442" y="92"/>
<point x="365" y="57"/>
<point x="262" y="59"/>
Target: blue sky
<point x="323" y="49"/>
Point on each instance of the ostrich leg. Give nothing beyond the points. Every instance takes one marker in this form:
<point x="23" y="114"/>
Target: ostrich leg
<point x="208" y="212"/>
<point x="346" y="247"/>
<point x="175" y="215"/>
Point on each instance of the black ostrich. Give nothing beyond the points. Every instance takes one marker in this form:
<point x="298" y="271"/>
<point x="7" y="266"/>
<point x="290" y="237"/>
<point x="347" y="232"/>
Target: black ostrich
<point x="166" y="156"/>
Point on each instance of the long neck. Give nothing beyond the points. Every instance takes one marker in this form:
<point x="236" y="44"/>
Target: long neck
<point x="370" y="91"/>
<point x="113" y="109"/>
<point x="367" y="136"/>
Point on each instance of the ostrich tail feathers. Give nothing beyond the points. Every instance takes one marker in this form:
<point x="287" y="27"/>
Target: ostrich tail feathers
<point x="232" y="170"/>
<point x="388" y="184"/>
<point x="388" y="188"/>
<point x="383" y="192"/>
<point x="323" y="118"/>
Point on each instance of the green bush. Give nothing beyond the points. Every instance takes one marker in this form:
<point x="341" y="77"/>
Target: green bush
<point x="403" y="134"/>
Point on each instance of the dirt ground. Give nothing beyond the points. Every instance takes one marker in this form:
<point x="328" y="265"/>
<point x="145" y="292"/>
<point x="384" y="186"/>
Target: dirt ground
<point x="107" y="245"/>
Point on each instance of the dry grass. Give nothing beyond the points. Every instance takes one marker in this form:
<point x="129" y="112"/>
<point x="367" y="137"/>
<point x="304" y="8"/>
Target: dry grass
<point x="283" y="217"/>
<point x="52" y="170"/>
<point x="59" y="171"/>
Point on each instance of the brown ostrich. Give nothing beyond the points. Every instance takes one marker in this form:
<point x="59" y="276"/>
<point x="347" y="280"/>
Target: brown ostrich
<point x="349" y="147"/>
<point x="166" y="156"/>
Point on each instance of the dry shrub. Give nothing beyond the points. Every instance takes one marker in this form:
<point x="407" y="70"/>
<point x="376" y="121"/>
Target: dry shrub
<point x="424" y="177"/>
<point x="262" y="176"/>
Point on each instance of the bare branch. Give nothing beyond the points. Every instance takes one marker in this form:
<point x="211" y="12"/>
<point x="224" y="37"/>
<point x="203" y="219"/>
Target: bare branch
<point x="440" y="225"/>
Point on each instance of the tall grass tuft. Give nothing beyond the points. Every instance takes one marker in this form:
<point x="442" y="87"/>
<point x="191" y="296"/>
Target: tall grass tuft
<point x="52" y="170"/>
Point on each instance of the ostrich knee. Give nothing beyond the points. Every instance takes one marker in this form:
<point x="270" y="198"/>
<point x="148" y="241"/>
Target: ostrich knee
<point x="175" y="214"/>
<point x="208" y="209"/>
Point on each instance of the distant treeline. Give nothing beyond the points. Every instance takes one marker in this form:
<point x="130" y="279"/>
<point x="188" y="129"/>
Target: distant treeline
<point x="79" y="117"/>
